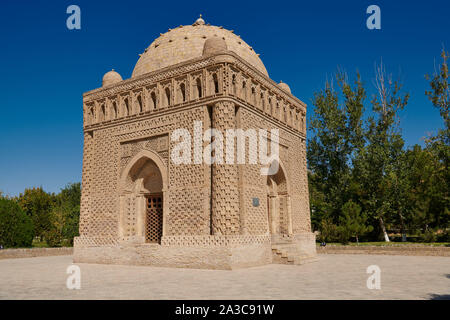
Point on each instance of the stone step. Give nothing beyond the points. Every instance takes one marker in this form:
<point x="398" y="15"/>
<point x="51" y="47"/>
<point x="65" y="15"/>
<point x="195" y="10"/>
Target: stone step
<point x="289" y="253"/>
<point x="286" y="254"/>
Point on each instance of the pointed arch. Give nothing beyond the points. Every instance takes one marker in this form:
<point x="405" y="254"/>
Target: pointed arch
<point x="279" y="202"/>
<point x="102" y="113"/>
<point x="114" y="111"/>
<point x="154" y="101"/>
<point x="126" y="107"/>
<point x="282" y="167"/>
<point x="139" y="198"/>
<point x="149" y="155"/>
<point x="140" y="106"/>
<point x="244" y="91"/>
<point x="216" y="83"/>
<point x="182" y="92"/>
<point x="198" y="85"/>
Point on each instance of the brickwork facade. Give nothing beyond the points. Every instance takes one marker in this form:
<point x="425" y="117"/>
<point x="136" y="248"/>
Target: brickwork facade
<point x="129" y="138"/>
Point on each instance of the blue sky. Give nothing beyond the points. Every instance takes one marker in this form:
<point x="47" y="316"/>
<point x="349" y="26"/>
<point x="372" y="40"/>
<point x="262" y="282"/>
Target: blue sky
<point x="45" y="67"/>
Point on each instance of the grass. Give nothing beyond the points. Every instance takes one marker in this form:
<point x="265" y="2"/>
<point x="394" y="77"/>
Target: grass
<point x="39" y="244"/>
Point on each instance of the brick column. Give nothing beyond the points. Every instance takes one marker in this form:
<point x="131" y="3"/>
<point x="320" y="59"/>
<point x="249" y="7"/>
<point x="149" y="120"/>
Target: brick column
<point x="289" y="214"/>
<point x="87" y="185"/>
<point x="224" y="180"/>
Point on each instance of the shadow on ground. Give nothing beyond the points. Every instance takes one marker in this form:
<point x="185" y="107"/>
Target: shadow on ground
<point x="439" y="296"/>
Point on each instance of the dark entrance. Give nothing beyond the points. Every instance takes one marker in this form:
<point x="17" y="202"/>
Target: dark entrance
<point x="154" y="217"/>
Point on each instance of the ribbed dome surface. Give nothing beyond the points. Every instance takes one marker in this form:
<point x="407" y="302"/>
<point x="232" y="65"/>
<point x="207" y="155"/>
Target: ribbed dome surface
<point x="186" y="42"/>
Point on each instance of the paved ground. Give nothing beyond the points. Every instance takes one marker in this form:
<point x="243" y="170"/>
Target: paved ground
<point x="332" y="277"/>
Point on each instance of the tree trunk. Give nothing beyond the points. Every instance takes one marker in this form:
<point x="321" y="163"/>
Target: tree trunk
<point x="383" y="228"/>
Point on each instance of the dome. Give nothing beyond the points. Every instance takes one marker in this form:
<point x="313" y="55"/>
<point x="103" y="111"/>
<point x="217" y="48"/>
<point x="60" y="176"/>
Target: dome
<point x="284" y="86"/>
<point x="213" y="45"/>
<point x="187" y="42"/>
<point x="111" y="77"/>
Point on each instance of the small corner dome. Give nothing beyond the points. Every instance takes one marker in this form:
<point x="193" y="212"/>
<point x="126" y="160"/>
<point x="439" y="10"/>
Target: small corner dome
<point x="111" y="77"/>
<point x="213" y="45"/>
<point x="284" y="86"/>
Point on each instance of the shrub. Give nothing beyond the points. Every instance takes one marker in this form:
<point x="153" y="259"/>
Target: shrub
<point x="443" y="236"/>
<point x="16" y="228"/>
<point x="429" y="236"/>
<point x="53" y="238"/>
<point x="328" y="231"/>
<point x="352" y="223"/>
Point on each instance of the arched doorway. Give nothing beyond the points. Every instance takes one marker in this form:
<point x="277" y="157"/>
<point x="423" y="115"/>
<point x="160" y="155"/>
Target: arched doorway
<point x="279" y="203"/>
<point x="142" y="199"/>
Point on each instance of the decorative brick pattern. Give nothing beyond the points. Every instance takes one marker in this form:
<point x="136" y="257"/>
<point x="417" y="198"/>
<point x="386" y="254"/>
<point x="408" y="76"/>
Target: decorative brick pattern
<point x="225" y="193"/>
<point x="218" y="240"/>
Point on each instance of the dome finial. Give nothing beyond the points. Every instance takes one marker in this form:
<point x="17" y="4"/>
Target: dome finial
<point x="199" y="21"/>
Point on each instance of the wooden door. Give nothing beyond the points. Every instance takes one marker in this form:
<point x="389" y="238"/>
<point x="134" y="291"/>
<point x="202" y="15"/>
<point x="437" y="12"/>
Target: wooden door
<point x="154" y="218"/>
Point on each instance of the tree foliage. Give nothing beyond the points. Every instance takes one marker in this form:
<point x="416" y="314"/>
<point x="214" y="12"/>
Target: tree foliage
<point x="55" y="217"/>
<point x="337" y="137"/>
<point x="64" y="216"/>
<point x="16" y="228"/>
<point x="363" y="181"/>
<point x="37" y="204"/>
<point x="439" y="95"/>
<point x="352" y="222"/>
<point x="377" y="166"/>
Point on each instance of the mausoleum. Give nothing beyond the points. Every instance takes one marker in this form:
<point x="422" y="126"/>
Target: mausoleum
<point x="141" y="205"/>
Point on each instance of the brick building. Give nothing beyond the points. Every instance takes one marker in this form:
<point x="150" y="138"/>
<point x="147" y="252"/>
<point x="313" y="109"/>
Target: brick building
<point x="138" y="206"/>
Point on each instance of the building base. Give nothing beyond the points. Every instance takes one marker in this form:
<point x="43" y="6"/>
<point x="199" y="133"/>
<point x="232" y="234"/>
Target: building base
<point x="198" y="252"/>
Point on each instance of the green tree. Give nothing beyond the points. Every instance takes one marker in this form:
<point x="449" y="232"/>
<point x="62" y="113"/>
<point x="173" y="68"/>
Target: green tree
<point x="439" y="95"/>
<point x="71" y="197"/>
<point x="328" y="230"/>
<point x="376" y="167"/>
<point x="439" y="145"/>
<point x="16" y="228"/>
<point x="37" y="204"/>
<point x="427" y="201"/>
<point x="64" y="216"/>
<point x="352" y="222"/>
<point x="337" y="135"/>
<point x="362" y="160"/>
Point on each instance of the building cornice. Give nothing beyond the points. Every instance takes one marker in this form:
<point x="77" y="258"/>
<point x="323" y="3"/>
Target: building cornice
<point x="187" y="67"/>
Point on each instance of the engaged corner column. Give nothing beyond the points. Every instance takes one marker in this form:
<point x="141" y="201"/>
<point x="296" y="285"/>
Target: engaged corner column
<point x="224" y="182"/>
<point x="289" y="215"/>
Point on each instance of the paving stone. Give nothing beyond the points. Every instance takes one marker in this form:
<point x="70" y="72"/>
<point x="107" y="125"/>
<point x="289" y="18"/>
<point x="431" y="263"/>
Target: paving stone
<point x="331" y="277"/>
